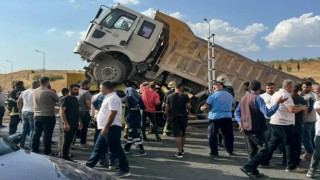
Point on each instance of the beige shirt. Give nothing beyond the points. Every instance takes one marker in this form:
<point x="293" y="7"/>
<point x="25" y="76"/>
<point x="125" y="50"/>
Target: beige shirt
<point x="44" y="101"/>
<point x="282" y="115"/>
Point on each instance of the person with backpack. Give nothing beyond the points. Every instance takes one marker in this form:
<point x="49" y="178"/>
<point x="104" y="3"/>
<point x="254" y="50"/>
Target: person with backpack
<point x="250" y="115"/>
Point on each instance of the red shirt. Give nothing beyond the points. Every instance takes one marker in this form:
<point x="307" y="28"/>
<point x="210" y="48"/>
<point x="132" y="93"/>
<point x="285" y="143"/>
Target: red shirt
<point x="150" y="98"/>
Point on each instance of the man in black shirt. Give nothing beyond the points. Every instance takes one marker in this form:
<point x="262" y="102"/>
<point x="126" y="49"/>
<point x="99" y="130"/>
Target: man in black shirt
<point x="176" y="109"/>
<point x="69" y="112"/>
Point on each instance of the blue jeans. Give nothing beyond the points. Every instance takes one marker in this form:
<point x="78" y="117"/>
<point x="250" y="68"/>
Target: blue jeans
<point x="316" y="155"/>
<point x="113" y="141"/>
<point x="28" y="127"/>
<point x="308" y="133"/>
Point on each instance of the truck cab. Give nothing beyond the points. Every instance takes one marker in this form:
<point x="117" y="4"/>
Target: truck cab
<point x="116" y="42"/>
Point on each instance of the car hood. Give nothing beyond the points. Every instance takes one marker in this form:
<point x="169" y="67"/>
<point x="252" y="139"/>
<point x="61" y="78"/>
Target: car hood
<point x="23" y="164"/>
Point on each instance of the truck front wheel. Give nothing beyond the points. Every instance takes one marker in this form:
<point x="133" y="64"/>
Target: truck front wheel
<point x="110" y="70"/>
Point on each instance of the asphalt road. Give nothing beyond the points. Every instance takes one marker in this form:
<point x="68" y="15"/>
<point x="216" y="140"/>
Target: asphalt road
<point x="160" y="162"/>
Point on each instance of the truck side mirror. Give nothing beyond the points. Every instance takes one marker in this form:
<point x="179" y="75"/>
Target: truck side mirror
<point x="99" y="13"/>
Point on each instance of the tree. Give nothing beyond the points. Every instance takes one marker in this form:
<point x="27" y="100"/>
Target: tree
<point x="298" y="66"/>
<point x="279" y="67"/>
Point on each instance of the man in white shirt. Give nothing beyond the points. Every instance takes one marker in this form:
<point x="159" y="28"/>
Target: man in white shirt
<point x="109" y="121"/>
<point x="316" y="155"/>
<point x="282" y="125"/>
<point x="25" y="107"/>
<point x="270" y="90"/>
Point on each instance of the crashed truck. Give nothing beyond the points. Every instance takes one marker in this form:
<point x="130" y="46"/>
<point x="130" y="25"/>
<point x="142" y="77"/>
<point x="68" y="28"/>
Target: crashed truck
<point x="123" y="45"/>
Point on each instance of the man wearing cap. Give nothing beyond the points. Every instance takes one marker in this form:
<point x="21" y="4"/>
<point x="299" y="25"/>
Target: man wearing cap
<point x="167" y="126"/>
<point x="219" y="104"/>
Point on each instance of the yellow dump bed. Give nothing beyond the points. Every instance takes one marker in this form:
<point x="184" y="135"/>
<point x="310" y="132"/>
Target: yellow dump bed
<point x="186" y="56"/>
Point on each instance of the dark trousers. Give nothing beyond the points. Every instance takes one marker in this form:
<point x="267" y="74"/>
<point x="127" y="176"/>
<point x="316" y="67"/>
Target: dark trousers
<point x="152" y="118"/>
<point x="85" y="118"/>
<point x="257" y="150"/>
<point x="297" y="133"/>
<point x="68" y="138"/>
<point x="285" y="134"/>
<point x="113" y="141"/>
<point x="13" y="125"/>
<point x="133" y="136"/>
<point x="267" y="133"/>
<point x="225" y="125"/>
<point x="2" y="110"/>
<point x="45" y="124"/>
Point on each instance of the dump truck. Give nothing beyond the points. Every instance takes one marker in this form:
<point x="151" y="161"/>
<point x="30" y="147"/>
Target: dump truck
<point x="124" y="45"/>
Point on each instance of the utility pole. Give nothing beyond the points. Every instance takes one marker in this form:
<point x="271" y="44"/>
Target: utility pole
<point x="211" y="67"/>
<point x="44" y="61"/>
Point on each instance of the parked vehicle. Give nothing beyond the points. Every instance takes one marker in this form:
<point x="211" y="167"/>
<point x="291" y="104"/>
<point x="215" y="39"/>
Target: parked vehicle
<point x="17" y="163"/>
<point x="124" y="45"/>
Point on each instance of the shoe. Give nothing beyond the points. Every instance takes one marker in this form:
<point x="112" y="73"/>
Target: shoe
<point x="104" y="163"/>
<point x="53" y="143"/>
<point x="120" y="174"/>
<point x="113" y="165"/>
<point x="230" y="154"/>
<point x="296" y="170"/>
<point x="86" y="145"/>
<point x="182" y="152"/>
<point x="311" y="174"/>
<point x="253" y="175"/>
<point x="158" y="139"/>
<point x="213" y="155"/>
<point x="150" y="132"/>
<point x="178" y="155"/>
<point x="2" y="126"/>
<point x="266" y="165"/>
<point x="139" y="154"/>
<point x="126" y="151"/>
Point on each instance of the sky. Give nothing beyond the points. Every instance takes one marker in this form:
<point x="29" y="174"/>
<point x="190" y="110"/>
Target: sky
<point x="264" y="30"/>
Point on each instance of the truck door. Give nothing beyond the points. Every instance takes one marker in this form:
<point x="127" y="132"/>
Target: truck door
<point x="114" y="29"/>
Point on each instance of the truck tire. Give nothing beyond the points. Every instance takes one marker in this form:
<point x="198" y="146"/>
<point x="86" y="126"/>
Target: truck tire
<point x="110" y="70"/>
<point x="198" y="113"/>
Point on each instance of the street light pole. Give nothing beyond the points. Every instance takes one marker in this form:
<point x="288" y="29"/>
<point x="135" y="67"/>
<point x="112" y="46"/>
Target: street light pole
<point x="11" y="71"/>
<point x="5" y="75"/>
<point x="44" y="60"/>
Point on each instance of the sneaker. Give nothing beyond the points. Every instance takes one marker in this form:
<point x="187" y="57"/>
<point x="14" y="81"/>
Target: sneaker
<point x="120" y="174"/>
<point x="2" y="126"/>
<point x="158" y="139"/>
<point x="139" y="154"/>
<point x="178" y="155"/>
<point x="311" y="174"/>
<point x="113" y="165"/>
<point x="296" y="170"/>
<point x="182" y="152"/>
<point x="230" y="154"/>
<point x="305" y="158"/>
<point x="104" y="163"/>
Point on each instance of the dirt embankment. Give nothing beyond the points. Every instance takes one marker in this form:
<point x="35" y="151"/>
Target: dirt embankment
<point x="27" y="77"/>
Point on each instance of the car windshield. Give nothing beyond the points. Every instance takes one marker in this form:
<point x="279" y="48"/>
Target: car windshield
<point x="6" y="146"/>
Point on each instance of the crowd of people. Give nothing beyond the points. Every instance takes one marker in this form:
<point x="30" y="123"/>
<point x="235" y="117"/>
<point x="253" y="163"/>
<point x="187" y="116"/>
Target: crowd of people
<point x="272" y="119"/>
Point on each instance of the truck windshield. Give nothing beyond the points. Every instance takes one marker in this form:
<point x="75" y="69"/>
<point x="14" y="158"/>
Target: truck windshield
<point x="118" y="19"/>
